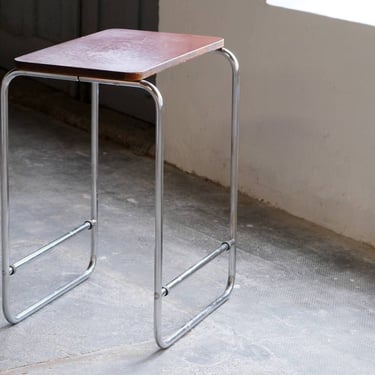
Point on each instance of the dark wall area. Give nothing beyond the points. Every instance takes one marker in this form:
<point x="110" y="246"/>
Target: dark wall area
<point x="27" y="25"/>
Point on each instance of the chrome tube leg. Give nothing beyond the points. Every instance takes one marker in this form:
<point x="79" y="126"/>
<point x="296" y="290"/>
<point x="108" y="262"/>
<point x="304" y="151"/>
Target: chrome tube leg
<point x="159" y="290"/>
<point x="234" y="163"/>
<point x="7" y="271"/>
<point x="5" y="192"/>
<point x="94" y="169"/>
<point x="159" y="188"/>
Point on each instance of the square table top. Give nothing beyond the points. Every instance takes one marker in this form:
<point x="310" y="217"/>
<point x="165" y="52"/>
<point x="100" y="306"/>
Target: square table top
<point x="119" y="54"/>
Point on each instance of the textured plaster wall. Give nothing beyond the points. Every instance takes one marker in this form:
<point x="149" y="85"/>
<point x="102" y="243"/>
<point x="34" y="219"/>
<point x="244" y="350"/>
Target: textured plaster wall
<point x="307" y="109"/>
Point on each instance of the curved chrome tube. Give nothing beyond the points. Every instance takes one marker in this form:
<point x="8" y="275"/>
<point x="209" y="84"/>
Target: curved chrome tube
<point x="159" y="189"/>
<point x="7" y="270"/>
<point x="234" y="162"/>
<point x="159" y="290"/>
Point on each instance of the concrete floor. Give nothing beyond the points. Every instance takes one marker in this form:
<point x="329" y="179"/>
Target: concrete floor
<point x="303" y="301"/>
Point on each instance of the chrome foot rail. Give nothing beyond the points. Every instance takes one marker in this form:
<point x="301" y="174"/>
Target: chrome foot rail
<point x="225" y="246"/>
<point x="49" y="247"/>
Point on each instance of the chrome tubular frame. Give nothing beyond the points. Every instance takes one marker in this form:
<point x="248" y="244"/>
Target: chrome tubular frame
<point x="160" y="291"/>
<point x="8" y="270"/>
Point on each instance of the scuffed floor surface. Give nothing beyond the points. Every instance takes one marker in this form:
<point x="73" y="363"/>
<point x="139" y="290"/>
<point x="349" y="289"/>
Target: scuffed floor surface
<point x="303" y="301"/>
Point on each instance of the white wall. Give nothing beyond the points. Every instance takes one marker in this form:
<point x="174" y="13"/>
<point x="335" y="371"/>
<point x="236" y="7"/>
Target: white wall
<point x="307" y="108"/>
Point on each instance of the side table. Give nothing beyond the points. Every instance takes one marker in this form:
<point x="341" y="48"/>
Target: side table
<point x="123" y="58"/>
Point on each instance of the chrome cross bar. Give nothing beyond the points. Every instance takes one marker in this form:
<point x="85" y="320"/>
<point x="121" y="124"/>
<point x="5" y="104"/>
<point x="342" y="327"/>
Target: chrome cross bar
<point x="191" y="270"/>
<point x="50" y="246"/>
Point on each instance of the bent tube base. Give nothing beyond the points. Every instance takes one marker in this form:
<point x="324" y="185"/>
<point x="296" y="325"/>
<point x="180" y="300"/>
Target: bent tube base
<point x="193" y="322"/>
<point x="48" y="299"/>
<point x="159" y="290"/>
<point x="8" y="270"/>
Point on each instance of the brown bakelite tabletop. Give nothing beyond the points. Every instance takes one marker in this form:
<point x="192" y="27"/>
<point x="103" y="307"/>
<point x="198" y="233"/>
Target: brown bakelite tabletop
<point x="119" y="54"/>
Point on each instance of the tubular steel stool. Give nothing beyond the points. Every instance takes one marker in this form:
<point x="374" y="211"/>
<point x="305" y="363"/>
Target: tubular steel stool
<point x="122" y="58"/>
